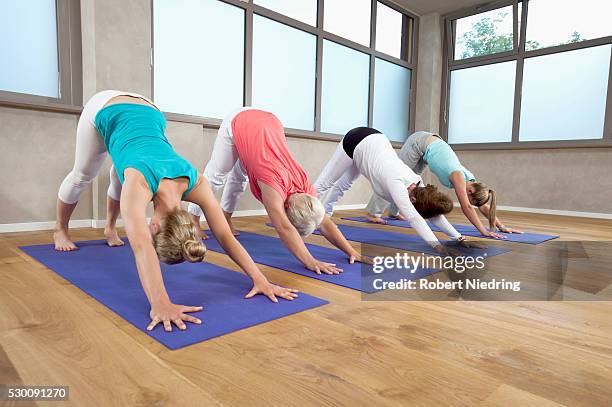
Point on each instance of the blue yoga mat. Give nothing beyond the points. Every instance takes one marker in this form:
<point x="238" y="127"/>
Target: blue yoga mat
<point x="412" y="243"/>
<point x="109" y="275"/>
<point x="469" y="230"/>
<point x="272" y="252"/>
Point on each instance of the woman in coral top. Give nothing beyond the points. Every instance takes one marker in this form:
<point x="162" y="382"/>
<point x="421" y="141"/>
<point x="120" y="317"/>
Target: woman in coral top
<point x="251" y="149"/>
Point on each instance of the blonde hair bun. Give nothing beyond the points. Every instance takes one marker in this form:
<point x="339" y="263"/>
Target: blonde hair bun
<point x="194" y="251"/>
<point x="178" y="240"/>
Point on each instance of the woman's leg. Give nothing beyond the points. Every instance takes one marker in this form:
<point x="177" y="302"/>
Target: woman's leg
<point x="235" y="186"/>
<point x="89" y="157"/>
<point x="376" y="208"/>
<point x="344" y="184"/>
<point x="224" y="157"/>
<point x="333" y="171"/>
<point x="113" y="210"/>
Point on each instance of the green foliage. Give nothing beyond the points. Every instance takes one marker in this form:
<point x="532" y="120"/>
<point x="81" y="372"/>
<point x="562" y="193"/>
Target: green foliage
<point x="483" y="39"/>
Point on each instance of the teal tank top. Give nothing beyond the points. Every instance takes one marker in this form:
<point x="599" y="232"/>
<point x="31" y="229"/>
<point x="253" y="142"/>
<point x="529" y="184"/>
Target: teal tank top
<point x="134" y="137"/>
<point x="443" y="161"/>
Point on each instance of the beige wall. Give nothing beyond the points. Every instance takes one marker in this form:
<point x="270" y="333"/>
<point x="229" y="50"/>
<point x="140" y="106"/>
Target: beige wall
<point x="37" y="151"/>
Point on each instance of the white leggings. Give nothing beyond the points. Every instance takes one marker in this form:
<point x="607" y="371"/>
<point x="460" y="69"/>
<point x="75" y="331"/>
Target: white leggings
<point x="225" y="168"/>
<point x="336" y="178"/>
<point x="91" y="151"/>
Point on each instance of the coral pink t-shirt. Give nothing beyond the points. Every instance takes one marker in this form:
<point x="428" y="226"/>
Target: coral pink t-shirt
<point x="260" y="140"/>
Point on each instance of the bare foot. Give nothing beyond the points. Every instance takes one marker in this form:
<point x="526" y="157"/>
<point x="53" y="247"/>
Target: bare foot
<point x="397" y="217"/>
<point x="376" y="219"/>
<point x="112" y="237"/>
<point x="63" y="243"/>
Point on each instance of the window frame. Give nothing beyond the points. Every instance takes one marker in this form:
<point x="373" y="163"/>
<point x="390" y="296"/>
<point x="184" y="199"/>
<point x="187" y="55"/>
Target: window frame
<point x="70" y="100"/>
<point x="518" y="54"/>
<point x="408" y="46"/>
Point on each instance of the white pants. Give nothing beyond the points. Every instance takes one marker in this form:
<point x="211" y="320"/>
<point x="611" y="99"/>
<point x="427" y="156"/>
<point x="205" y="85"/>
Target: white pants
<point x="225" y="168"/>
<point x="91" y="151"/>
<point x="336" y="178"/>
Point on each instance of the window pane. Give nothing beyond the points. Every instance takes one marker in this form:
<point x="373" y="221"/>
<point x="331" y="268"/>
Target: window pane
<point x="28" y="49"/>
<point x="284" y="70"/>
<point x="187" y="34"/>
<point x="564" y="95"/>
<point x="302" y="10"/>
<point x="346" y="78"/>
<point x="484" y="34"/>
<point x="556" y="22"/>
<point x="392" y="99"/>
<point x="351" y="21"/>
<point x="481" y="104"/>
<point x="389" y="30"/>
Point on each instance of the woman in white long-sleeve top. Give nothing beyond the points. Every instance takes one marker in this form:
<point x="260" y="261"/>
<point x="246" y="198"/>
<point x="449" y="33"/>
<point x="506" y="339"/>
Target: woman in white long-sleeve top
<point x="368" y="152"/>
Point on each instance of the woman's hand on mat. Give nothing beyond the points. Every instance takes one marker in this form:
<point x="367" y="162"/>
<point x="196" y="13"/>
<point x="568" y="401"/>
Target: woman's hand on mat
<point x="356" y="257"/>
<point x="506" y="229"/>
<point x="494" y="235"/>
<point x="169" y="313"/>
<point x="320" y="267"/>
<point x="272" y="291"/>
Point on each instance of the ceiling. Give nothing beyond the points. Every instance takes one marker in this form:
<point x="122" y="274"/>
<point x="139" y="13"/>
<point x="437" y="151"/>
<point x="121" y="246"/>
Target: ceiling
<point x="421" y="7"/>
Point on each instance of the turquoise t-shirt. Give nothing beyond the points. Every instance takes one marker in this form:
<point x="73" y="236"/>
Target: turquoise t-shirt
<point x="443" y="161"/>
<point x="134" y="137"/>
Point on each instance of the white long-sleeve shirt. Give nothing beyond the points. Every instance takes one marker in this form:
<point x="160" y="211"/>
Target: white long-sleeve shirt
<point x="390" y="178"/>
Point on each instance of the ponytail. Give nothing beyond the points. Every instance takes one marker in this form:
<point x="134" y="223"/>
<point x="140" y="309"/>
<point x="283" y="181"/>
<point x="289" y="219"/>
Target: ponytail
<point x="492" y="209"/>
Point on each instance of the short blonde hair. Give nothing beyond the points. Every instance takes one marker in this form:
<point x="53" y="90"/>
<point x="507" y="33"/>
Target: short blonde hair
<point x="178" y="240"/>
<point x="305" y="212"/>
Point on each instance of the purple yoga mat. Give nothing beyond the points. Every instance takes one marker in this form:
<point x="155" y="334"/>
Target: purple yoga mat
<point x="468" y="230"/>
<point x="412" y="243"/>
<point x="109" y="275"/>
<point x="272" y="252"/>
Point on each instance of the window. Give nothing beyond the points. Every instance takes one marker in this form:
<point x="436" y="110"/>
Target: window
<point x="314" y="67"/>
<point x="482" y="100"/>
<point x="484" y="34"/>
<point x="545" y="81"/>
<point x="573" y="22"/>
<point x="389" y="30"/>
<point x="199" y="57"/>
<point x="284" y="70"/>
<point x="302" y="10"/>
<point x="38" y="38"/>
<point x="564" y="95"/>
<point x="346" y="74"/>
<point x="349" y="21"/>
<point x="391" y="108"/>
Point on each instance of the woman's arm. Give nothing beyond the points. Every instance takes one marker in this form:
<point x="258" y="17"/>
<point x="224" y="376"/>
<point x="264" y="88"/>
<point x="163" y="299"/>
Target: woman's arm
<point x="275" y="206"/>
<point x="484" y="209"/>
<point x="135" y="197"/>
<point x="203" y="196"/>
<point x="330" y="231"/>
<point x="466" y="207"/>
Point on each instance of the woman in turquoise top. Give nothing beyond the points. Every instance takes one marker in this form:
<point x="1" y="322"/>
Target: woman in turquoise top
<point x="146" y="168"/>
<point x="427" y="149"/>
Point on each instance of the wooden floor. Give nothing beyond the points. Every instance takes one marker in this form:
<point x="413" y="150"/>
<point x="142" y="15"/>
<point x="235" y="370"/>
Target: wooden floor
<point x="350" y="352"/>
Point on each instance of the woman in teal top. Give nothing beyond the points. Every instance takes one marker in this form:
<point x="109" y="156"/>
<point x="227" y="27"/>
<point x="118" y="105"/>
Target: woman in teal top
<point x="146" y="168"/>
<point x="423" y="149"/>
